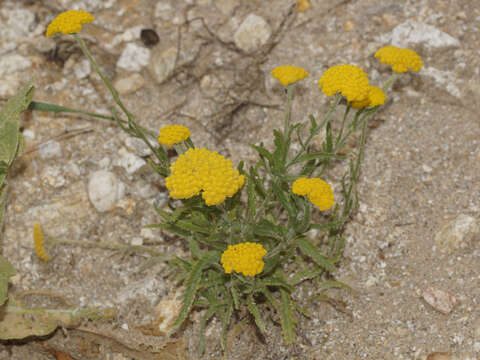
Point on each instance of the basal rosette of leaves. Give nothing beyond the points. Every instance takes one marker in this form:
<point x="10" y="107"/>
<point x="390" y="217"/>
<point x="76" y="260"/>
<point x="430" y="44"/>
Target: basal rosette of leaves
<point x="246" y="228"/>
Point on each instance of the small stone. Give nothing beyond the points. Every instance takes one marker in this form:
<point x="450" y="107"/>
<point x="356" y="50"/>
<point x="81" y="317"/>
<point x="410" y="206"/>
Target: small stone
<point x="128" y="35"/>
<point x="166" y="312"/>
<point x="50" y="149"/>
<point x="13" y="63"/>
<point x="53" y="176"/>
<point x="125" y="326"/>
<point x="252" y="33"/>
<point x="226" y="6"/>
<point x="133" y="57"/>
<point x="443" y="79"/>
<point x="129" y="84"/>
<point x="439" y="356"/>
<point x="130" y="162"/>
<point x="440" y="300"/>
<point x="163" y="10"/>
<point x="136" y="241"/>
<point x="22" y="21"/>
<point x="461" y="232"/>
<point x="104" y="190"/>
<point x="413" y="32"/>
<point x="163" y="65"/>
<point x="137" y="146"/>
<point x="349" y="26"/>
<point x="82" y="69"/>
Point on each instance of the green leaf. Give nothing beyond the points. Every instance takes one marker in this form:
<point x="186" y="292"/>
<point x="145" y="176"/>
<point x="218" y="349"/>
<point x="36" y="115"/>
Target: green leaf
<point x="305" y="274"/>
<point x="263" y="152"/>
<point x="329" y="138"/>
<point x="308" y="249"/>
<point x="192" y="283"/>
<point x="317" y="155"/>
<point x="252" y="307"/>
<point x="6" y="272"/>
<point x="286" y="317"/>
<point x="268" y="229"/>
<point x="226" y="319"/>
<point x="235" y="297"/>
<point x="304" y="223"/>
<point x="335" y="284"/>
<point x="41" y="106"/>
<point x="251" y="200"/>
<point x="9" y="126"/>
<point x="284" y="199"/>
<point x="203" y="323"/>
<point x="273" y="281"/>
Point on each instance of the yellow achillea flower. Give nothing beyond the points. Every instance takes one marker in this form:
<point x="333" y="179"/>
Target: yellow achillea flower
<point x="69" y="22"/>
<point x="173" y="134"/>
<point x="318" y="192"/>
<point x="288" y="74"/>
<point x="401" y="59"/>
<point x="38" y="243"/>
<point x="349" y="80"/>
<point x="376" y="96"/>
<point x="245" y="258"/>
<point x="202" y="170"/>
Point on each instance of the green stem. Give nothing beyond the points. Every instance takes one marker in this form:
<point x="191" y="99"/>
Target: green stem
<point x="389" y="82"/>
<point x="288" y="110"/>
<point x="115" y="95"/>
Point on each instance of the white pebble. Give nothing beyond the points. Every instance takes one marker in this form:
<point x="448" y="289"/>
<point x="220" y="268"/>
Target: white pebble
<point x="104" y="190"/>
<point x="50" y="149"/>
<point x="252" y="33"/>
<point x="133" y="57"/>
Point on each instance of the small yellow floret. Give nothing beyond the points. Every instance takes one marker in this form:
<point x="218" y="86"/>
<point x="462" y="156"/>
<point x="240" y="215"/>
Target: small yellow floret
<point x="69" y="22"/>
<point x="349" y="80"/>
<point x="289" y="74"/>
<point x="38" y="243"/>
<point x="202" y="170"/>
<point x="245" y="258"/>
<point x="401" y="59"/>
<point x="173" y="134"/>
<point x="319" y="192"/>
<point x="376" y="96"/>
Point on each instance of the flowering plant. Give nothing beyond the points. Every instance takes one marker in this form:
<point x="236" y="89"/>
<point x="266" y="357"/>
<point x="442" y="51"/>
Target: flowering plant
<point x="248" y="227"/>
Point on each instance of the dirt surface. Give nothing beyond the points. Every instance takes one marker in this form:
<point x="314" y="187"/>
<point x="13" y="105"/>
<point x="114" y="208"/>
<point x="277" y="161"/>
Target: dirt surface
<point x="421" y="169"/>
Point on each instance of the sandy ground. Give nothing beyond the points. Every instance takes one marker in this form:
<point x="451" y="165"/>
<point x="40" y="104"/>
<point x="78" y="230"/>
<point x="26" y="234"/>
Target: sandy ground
<point x="421" y="168"/>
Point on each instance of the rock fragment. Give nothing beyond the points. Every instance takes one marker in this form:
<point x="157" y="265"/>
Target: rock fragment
<point x="104" y="190"/>
<point x="133" y="57"/>
<point x="440" y="300"/>
<point x="461" y="232"/>
<point x="252" y="33"/>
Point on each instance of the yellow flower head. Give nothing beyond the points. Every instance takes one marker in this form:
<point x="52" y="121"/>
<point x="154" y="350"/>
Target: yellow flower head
<point x="245" y="258"/>
<point x="349" y="80"/>
<point x="318" y="192"/>
<point x="401" y="59"/>
<point x="289" y="74"/>
<point x="38" y="243"/>
<point x="173" y="134"/>
<point x="376" y="96"/>
<point x="202" y="170"/>
<point x="69" y="22"/>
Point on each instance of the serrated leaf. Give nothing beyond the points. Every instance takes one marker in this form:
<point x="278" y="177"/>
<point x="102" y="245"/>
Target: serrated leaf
<point x="203" y="323"/>
<point x="317" y="155"/>
<point x="19" y="323"/>
<point x="9" y="126"/>
<point x="306" y="274"/>
<point x="273" y="281"/>
<point x="226" y="319"/>
<point x="6" y="272"/>
<point x="253" y="309"/>
<point x="308" y="249"/>
<point x="192" y="283"/>
<point x="251" y="199"/>
<point x="268" y="229"/>
<point x="284" y="200"/>
<point x="235" y="297"/>
<point x="263" y="152"/>
<point x="304" y="224"/>
<point x="286" y="317"/>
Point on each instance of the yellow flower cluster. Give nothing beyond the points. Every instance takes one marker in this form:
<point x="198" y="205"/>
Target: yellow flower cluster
<point x="318" y="192"/>
<point x="245" y="258"/>
<point x="69" y="22"/>
<point x="173" y="134"/>
<point x="38" y="243"/>
<point x="201" y="169"/>
<point x="289" y="74"/>
<point x="401" y="59"/>
<point x="376" y="97"/>
<point x="349" y="80"/>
